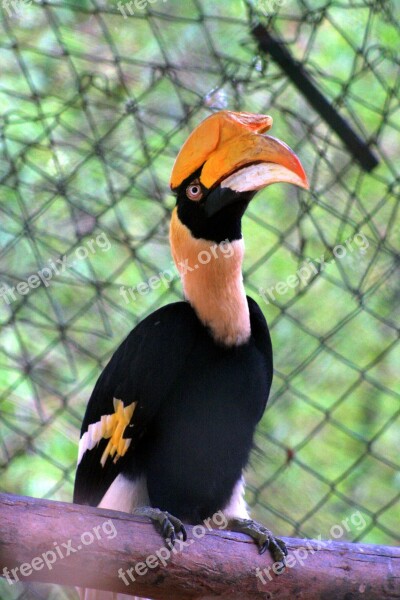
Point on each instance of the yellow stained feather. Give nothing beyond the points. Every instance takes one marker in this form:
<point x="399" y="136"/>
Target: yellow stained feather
<point x="113" y="427"/>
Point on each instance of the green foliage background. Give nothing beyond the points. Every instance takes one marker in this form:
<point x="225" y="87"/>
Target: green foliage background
<point x="94" y="108"/>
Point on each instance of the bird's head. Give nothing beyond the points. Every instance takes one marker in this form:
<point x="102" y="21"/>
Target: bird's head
<point x="224" y="162"/>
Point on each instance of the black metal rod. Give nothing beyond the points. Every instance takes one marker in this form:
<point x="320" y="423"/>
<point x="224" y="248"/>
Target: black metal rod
<point x="302" y="80"/>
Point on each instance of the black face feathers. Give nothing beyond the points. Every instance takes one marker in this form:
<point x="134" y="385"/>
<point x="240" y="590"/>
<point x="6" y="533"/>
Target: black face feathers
<point x="217" y="215"/>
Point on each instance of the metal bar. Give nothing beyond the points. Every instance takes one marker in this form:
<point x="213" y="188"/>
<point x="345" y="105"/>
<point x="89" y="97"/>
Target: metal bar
<point x="302" y="80"/>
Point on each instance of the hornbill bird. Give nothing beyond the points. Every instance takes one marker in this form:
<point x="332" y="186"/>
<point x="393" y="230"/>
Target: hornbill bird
<point x="169" y="426"/>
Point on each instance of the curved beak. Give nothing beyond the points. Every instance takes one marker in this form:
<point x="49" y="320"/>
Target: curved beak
<point x="232" y="152"/>
<point x="256" y="162"/>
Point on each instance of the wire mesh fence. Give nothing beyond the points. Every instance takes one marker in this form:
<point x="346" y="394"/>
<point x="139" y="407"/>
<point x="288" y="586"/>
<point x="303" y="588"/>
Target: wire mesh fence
<point x="96" y="99"/>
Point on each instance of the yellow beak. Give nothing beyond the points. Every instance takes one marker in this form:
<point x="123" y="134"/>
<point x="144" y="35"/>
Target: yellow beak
<point x="231" y="150"/>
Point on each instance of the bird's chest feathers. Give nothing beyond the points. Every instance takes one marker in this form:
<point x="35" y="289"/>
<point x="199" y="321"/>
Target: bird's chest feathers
<point x="212" y="282"/>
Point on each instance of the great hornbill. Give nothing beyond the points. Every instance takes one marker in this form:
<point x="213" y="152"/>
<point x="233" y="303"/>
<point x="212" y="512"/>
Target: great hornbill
<point x="169" y="426"/>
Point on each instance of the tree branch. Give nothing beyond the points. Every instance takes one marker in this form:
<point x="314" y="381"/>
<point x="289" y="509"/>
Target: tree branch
<point x="57" y="542"/>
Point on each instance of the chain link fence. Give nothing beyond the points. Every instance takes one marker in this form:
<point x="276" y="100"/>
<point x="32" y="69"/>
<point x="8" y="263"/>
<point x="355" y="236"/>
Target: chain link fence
<point x="96" y="99"/>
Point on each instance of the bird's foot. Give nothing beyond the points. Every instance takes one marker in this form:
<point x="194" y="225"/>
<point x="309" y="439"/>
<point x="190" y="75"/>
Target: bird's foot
<point x="262" y="536"/>
<point x="166" y="524"/>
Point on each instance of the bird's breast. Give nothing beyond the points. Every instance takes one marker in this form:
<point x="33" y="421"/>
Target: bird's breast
<point x="201" y="439"/>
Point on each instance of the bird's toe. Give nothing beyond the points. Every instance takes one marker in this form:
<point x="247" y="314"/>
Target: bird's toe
<point x="263" y="537"/>
<point x="169" y="527"/>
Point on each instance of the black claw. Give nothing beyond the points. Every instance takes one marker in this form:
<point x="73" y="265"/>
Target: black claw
<point x="184" y="534"/>
<point x="280" y="544"/>
<point x="264" y="547"/>
<point x="171" y="537"/>
<point x="163" y="529"/>
<point x="178" y="527"/>
<point x="166" y="528"/>
<point x="264" y="538"/>
<point x="283" y="567"/>
<point x="171" y="528"/>
<point x="167" y="525"/>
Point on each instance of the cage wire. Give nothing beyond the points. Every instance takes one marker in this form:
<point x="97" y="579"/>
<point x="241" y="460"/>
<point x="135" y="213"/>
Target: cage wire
<point x="96" y="100"/>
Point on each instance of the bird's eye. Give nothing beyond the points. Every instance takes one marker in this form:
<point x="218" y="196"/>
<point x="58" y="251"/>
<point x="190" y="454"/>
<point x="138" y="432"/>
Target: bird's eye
<point x="194" y="191"/>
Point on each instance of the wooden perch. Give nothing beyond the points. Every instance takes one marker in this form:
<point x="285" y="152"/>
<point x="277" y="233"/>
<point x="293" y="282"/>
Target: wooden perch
<point x="34" y="532"/>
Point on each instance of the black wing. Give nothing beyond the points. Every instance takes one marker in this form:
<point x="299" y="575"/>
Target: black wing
<point x="262" y="340"/>
<point x="128" y="394"/>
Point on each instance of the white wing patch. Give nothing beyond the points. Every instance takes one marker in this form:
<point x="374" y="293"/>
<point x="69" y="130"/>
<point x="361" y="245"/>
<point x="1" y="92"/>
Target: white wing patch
<point x="236" y="507"/>
<point x="125" y="495"/>
<point x="110" y="427"/>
